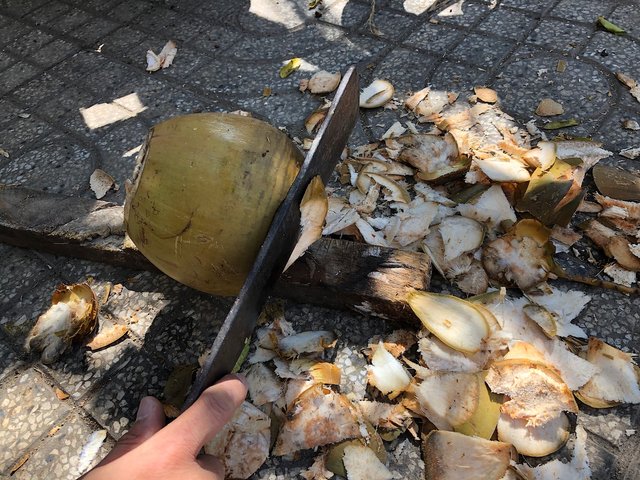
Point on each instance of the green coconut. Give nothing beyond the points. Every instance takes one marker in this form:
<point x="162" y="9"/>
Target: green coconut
<point x="207" y="189"/>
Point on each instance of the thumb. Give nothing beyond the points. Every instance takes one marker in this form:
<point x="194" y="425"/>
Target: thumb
<point x="149" y="420"/>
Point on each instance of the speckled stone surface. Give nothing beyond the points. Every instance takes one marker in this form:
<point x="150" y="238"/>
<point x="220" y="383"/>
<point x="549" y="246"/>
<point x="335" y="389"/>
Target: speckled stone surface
<point x="61" y="57"/>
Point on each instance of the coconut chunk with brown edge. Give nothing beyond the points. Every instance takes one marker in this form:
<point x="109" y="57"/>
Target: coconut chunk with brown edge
<point x="361" y="463"/>
<point x="616" y="380"/>
<point x="455" y="456"/>
<point x="306" y="342"/>
<point x="436" y="157"/>
<point x="523" y="256"/>
<point x="460" y="235"/>
<point x="247" y="432"/>
<point x="319" y="416"/>
<point x="490" y="208"/>
<point x="384" y="415"/>
<point x="456" y="322"/>
<point x="536" y="391"/>
<point x="449" y="399"/>
<point x="72" y="315"/>
<point x="534" y="441"/>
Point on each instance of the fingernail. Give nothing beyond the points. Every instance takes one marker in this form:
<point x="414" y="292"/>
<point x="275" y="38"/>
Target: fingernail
<point x="237" y="376"/>
<point x="145" y="409"/>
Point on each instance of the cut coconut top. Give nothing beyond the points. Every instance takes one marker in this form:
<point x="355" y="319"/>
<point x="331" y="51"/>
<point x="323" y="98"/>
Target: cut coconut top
<point x="534" y="441"/>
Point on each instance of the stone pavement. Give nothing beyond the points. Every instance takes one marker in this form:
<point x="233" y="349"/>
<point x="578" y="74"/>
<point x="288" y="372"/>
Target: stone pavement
<point x="58" y="58"/>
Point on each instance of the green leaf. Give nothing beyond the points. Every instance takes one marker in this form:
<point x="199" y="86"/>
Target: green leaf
<point x="314" y="3"/>
<point x="291" y="66"/>
<point x="610" y="27"/>
<point x="572" y="122"/>
<point x="243" y="355"/>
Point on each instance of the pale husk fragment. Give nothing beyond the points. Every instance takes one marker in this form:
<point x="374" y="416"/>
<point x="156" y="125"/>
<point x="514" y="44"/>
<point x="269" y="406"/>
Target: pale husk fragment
<point x="318" y="417"/>
<point x="566" y="305"/>
<point x="441" y="358"/>
<point x="384" y="415"/>
<point x="548" y="108"/>
<point x="264" y="386"/>
<point x="324" y="82"/>
<point x="534" y="441"/>
<point x="449" y="399"/>
<point x="453" y="456"/>
<point x="536" y="392"/>
<point x="387" y="373"/>
<point x="292" y="346"/>
<point x="318" y="470"/>
<point x="376" y="94"/>
<point x="100" y="182"/>
<point x="313" y="211"/>
<point x="577" y="469"/>
<point x="361" y="463"/>
<point x="247" y="432"/>
<point x="460" y="235"/>
<point x="616" y="379"/>
<point x="620" y="275"/>
<point x="164" y="59"/>
<point x="491" y="208"/>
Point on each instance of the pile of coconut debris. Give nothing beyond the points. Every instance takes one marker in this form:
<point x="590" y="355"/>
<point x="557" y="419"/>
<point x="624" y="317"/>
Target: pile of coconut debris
<point x="485" y="379"/>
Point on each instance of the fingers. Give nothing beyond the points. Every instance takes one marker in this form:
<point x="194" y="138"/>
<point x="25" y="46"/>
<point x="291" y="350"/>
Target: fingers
<point x="211" y="464"/>
<point x="206" y="417"/>
<point x="149" y="420"/>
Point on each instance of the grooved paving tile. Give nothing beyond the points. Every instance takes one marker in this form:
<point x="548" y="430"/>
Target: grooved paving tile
<point x="483" y="51"/>
<point x="128" y="10"/>
<point x="529" y="5"/>
<point x="29" y="43"/>
<point x="507" y="23"/>
<point x="390" y="25"/>
<point x="54" y="52"/>
<point x="11" y="30"/>
<point x="93" y="30"/>
<point x="8" y="358"/>
<point x="28" y="408"/>
<point x="48" y="12"/>
<point x="170" y="24"/>
<point x="18" y="133"/>
<point x="97" y="5"/>
<point x="627" y="17"/>
<point x="617" y="138"/>
<point x="615" y="52"/>
<point x="471" y="13"/>
<point x="435" y="38"/>
<point x="69" y="20"/>
<point x="559" y="35"/>
<point x="41" y="89"/>
<point x="58" y="167"/>
<point x="115" y="404"/>
<point x="271" y="16"/>
<point x="583" y="11"/>
<point x="58" y="454"/>
<point x="213" y="40"/>
<point x="18" y="73"/>
<point x="21" y="7"/>
<point x="405" y="69"/>
<point x="582" y="89"/>
<point x="6" y="60"/>
<point x="345" y="13"/>
<point x="453" y="76"/>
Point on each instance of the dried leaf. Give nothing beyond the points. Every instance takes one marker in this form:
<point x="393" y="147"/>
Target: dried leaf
<point x="548" y="108"/>
<point x="486" y="95"/>
<point x="20" y="463"/>
<point x="108" y="336"/>
<point x="324" y="82"/>
<point x="609" y="26"/>
<point x="61" y="394"/>
<point x="178" y="384"/>
<point x="266" y="92"/>
<point x="290" y="67"/>
<point x="4" y="153"/>
<point x="313" y="4"/>
<point x="631" y="125"/>
<point x="562" y="66"/>
<point x="572" y="122"/>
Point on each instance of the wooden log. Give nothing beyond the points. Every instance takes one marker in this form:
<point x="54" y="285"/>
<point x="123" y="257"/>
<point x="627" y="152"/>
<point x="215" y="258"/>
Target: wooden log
<point x="334" y="273"/>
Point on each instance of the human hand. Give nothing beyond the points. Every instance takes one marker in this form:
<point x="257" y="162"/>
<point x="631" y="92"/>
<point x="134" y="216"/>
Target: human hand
<point x="152" y="450"/>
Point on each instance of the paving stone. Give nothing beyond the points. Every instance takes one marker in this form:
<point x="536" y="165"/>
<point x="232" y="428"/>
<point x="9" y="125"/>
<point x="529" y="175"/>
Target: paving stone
<point x="15" y="75"/>
<point x="115" y="404"/>
<point x="281" y="110"/>
<point x="617" y="53"/>
<point x="559" y="35"/>
<point x="80" y="369"/>
<point x="617" y="138"/>
<point x="345" y="13"/>
<point x="610" y="424"/>
<point x="21" y="7"/>
<point x="453" y="76"/>
<point x="507" y="23"/>
<point x="71" y="20"/>
<point x="8" y="358"/>
<point x="93" y="30"/>
<point x="49" y="11"/>
<point x="28" y="408"/>
<point x="483" y="51"/>
<point x="272" y="16"/>
<point x="627" y="17"/>
<point x="19" y="132"/>
<point x="130" y="9"/>
<point x="529" y="5"/>
<point x="60" y="167"/>
<point x="585" y="11"/>
<point x="280" y="48"/>
<point x="97" y="5"/>
<point x="110" y="76"/>
<point x="6" y="60"/>
<point x="170" y="24"/>
<point x="213" y="40"/>
<point x="406" y="70"/>
<point x="472" y="13"/>
<point x="12" y="30"/>
<point x="581" y="89"/>
<point x="54" y="52"/>
<point x="41" y="89"/>
<point x="130" y="45"/>
<point x="76" y="68"/>
<point x="345" y="52"/>
<point x="29" y="43"/>
<point x="435" y="38"/>
<point x="58" y="454"/>
<point x="390" y="25"/>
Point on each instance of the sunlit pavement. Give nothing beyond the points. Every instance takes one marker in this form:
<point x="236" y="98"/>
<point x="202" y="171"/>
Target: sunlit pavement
<point x="75" y="96"/>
